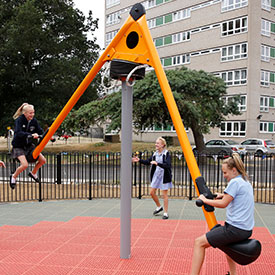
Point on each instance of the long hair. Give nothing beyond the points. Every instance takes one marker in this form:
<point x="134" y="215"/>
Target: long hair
<point x="22" y="109"/>
<point x="235" y="161"/>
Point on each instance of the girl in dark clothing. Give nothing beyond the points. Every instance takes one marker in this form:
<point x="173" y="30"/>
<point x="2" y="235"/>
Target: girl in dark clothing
<point x="161" y="176"/>
<point x="26" y="129"/>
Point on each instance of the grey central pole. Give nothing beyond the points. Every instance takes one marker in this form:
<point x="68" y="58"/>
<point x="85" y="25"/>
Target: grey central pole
<point x="126" y="171"/>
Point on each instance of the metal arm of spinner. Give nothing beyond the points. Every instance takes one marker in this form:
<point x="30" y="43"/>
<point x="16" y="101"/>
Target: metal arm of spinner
<point x="133" y="44"/>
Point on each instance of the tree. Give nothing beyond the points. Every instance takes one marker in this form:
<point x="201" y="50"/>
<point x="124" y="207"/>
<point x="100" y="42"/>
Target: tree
<point x="198" y="94"/>
<point x="95" y="113"/>
<point x="45" y="54"/>
<point x="199" y="97"/>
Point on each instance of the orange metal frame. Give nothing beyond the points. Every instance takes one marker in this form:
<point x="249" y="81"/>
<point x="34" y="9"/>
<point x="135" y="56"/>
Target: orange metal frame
<point x="143" y="53"/>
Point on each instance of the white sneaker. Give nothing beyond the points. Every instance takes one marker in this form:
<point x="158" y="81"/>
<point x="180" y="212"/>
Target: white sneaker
<point x="165" y="216"/>
<point x="159" y="209"/>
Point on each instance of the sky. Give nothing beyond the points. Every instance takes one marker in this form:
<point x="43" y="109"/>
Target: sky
<point x="97" y="7"/>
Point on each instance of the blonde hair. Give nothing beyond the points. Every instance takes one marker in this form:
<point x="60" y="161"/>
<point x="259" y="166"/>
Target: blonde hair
<point x="22" y="109"/>
<point x="162" y="140"/>
<point x="236" y="162"/>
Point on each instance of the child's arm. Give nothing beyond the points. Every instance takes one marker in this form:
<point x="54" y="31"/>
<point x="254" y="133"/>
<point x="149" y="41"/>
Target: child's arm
<point x="220" y="203"/>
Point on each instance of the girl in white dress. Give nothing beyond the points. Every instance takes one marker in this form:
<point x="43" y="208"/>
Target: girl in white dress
<point x="160" y="175"/>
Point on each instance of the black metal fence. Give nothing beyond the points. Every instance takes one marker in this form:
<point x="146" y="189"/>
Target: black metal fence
<point x="97" y="175"/>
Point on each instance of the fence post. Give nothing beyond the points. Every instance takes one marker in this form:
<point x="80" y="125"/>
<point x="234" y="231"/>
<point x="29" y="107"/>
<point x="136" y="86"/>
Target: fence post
<point x="90" y="177"/>
<point x="58" y="168"/>
<point x="40" y="187"/>
<point x="190" y="187"/>
<point x="139" y="183"/>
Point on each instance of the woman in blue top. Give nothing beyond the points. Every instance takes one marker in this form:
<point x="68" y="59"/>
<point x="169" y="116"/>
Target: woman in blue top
<point x="160" y="175"/>
<point x="26" y="129"/>
<point x="239" y="200"/>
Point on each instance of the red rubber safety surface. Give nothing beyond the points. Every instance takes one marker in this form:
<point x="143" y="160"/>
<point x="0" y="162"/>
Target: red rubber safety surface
<point x="91" y="245"/>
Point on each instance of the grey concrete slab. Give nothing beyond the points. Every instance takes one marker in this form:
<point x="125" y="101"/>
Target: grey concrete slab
<point x="29" y="213"/>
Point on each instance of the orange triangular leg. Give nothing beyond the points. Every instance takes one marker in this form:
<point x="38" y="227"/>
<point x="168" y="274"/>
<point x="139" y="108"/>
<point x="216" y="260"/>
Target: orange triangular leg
<point x="134" y="43"/>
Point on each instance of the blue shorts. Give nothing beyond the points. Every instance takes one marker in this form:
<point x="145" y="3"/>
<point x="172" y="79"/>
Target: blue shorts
<point x="222" y="235"/>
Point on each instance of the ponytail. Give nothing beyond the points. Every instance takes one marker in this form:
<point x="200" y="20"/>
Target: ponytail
<point x="236" y="162"/>
<point x="22" y="109"/>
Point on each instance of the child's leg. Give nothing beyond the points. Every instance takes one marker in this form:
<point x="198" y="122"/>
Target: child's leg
<point x="41" y="161"/>
<point x="201" y="244"/>
<point x="232" y="265"/>
<point x="154" y="196"/>
<point x="23" y="166"/>
<point x="165" y="200"/>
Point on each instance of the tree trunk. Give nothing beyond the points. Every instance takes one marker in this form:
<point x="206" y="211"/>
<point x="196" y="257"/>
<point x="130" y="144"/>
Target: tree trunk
<point x="198" y="137"/>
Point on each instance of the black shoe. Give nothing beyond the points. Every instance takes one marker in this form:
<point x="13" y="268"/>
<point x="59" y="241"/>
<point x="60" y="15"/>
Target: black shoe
<point x="165" y="217"/>
<point x="35" y="179"/>
<point x="12" y="184"/>
<point x="228" y="273"/>
<point x="157" y="211"/>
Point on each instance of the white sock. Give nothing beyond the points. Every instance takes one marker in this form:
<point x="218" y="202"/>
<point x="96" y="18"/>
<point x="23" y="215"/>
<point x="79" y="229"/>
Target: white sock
<point x="13" y="180"/>
<point x="165" y="214"/>
<point x="158" y="208"/>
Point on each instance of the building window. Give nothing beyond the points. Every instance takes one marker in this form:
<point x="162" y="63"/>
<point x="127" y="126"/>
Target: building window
<point x="174" y="38"/>
<point x="263" y="127"/>
<point x="182" y="14"/>
<point x="179" y="15"/>
<point x="265" y="78"/>
<point x="265" y="53"/>
<point x="232" y="78"/>
<point x="167" y="61"/>
<point x="110" y="3"/>
<point x="233" y="129"/>
<point x="167" y="40"/>
<point x="265" y="28"/>
<point x="234" y="26"/>
<point x="264" y="104"/>
<point x="175" y="60"/>
<point x="152" y="3"/>
<point x="159" y="21"/>
<point x="151" y="23"/>
<point x="160" y="128"/>
<point x="272" y="77"/>
<point x="267" y="127"/>
<point x="163" y="128"/>
<point x="113" y="18"/>
<point x="266" y="5"/>
<point x="241" y="104"/>
<point x="110" y="36"/>
<point x="234" y="52"/>
<point x="271" y="102"/>
<point x="233" y="4"/>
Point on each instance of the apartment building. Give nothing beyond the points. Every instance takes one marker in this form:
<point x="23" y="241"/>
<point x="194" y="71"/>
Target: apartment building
<point x="233" y="39"/>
